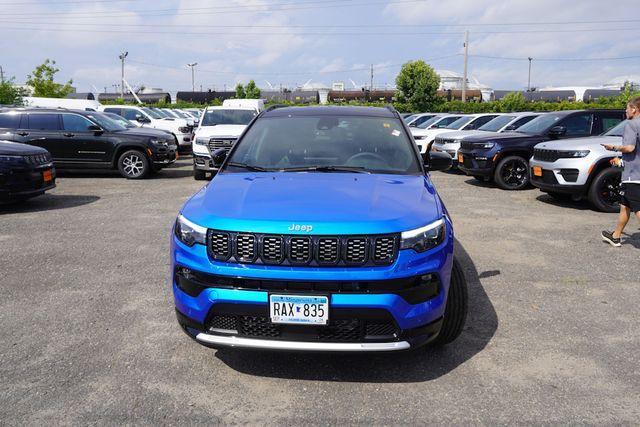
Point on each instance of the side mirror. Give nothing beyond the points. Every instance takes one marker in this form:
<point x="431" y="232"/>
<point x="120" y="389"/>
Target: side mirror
<point x="557" y="131"/>
<point x="218" y="156"/>
<point x="510" y="127"/>
<point x="436" y="161"/>
<point x="142" y="119"/>
<point x="95" y="129"/>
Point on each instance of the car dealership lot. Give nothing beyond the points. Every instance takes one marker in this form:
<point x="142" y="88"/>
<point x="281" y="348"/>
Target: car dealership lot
<point x="89" y="332"/>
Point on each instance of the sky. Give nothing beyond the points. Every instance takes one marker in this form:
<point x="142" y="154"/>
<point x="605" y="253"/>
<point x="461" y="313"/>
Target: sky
<point x="291" y="42"/>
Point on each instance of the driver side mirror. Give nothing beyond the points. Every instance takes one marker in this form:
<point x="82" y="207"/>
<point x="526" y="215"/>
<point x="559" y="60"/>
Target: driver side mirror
<point x="142" y="119"/>
<point x="218" y="156"/>
<point x="557" y="131"/>
<point x="436" y="161"/>
<point x="511" y="127"/>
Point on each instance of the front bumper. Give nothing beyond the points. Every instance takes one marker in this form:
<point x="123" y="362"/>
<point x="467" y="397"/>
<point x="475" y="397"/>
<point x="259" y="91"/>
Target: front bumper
<point x="203" y="162"/>
<point x="184" y="139"/>
<point x="566" y="176"/>
<point x="476" y="164"/>
<point x="27" y="183"/>
<point x="164" y="156"/>
<point x="409" y="321"/>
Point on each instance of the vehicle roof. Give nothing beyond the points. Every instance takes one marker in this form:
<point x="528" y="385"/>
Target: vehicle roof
<point x="45" y="110"/>
<point x="228" y="107"/>
<point x="331" y="111"/>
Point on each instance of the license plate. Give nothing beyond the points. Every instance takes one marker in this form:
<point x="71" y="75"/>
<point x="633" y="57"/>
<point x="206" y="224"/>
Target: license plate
<point x="47" y="175"/>
<point x="299" y="309"/>
<point x="537" y="171"/>
<point x="460" y="159"/>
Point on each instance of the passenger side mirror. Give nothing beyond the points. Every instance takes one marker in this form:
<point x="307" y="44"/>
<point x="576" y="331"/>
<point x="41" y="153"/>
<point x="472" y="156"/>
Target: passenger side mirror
<point x="95" y="129"/>
<point x="436" y="161"/>
<point x="142" y="119"/>
<point x="557" y="131"/>
<point x="511" y="127"/>
<point x="218" y="156"/>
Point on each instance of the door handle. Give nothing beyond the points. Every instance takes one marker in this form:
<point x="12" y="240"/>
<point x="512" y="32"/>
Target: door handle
<point x="69" y="134"/>
<point x="22" y="133"/>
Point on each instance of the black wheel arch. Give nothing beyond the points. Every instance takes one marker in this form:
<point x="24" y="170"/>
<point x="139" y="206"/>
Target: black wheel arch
<point x="601" y="165"/>
<point x="510" y="152"/>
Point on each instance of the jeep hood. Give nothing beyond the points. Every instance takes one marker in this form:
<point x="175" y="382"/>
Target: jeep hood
<point x="331" y="203"/>
<point x="220" y="130"/>
<point x="9" y="148"/>
<point x="589" y="143"/>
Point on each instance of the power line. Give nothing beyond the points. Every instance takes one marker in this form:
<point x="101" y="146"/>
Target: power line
<point x="507" y="58"/>
<point x="297" y="5"/>
<point x="26" y="3"/>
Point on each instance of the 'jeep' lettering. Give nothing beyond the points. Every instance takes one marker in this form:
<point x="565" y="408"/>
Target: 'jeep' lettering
<point x="298" y="227"/>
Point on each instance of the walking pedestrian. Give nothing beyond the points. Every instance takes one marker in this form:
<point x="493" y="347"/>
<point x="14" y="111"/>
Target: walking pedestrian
<point x="630" y="189"/>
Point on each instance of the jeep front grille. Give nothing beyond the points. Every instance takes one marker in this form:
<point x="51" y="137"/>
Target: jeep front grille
<point x="302" y="250"/>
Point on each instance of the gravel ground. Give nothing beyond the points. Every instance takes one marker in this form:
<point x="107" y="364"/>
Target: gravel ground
<point x="88" y="330"/>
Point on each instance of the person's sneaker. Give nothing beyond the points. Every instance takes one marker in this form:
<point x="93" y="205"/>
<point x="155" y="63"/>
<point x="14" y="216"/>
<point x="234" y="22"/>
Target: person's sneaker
<point x="608" y="237"/>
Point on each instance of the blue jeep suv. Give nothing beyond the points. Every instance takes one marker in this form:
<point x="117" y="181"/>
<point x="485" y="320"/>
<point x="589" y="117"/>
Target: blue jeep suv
<point x="322" y="231"/>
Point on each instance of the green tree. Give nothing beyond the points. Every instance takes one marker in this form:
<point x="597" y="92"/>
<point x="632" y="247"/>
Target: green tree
<point x="240" y="93"/>
<point x="252" y="91"/>
<point x="42" y="81"/>
<point x="417" y="85"/>
<point x="513" y="101"/>
<point x="9" y="94"/>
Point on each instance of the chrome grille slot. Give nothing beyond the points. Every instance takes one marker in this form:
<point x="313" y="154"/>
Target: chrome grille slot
<point x="219" y="245"/>
<point x="356" y="250"/>
<point x="272" y="249"/>
<point x="384" y="249"/>
<point x="328" y="250"/>
<point x="300" y="250"/>
<point x="246" y="247"/>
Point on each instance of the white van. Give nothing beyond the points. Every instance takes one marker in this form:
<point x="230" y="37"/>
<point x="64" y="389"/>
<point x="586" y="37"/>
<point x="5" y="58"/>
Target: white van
<point x="71" y="104"/>
<point x="256" y="104"/>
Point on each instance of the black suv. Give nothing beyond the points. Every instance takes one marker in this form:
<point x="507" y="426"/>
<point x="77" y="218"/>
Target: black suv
<point x="504" y="157"/>
<point x="89" y="140"/>
<point x="25" y="171"/>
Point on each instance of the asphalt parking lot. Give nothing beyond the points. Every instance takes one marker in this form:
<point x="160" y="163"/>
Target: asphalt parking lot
<point x="89" y="335"/>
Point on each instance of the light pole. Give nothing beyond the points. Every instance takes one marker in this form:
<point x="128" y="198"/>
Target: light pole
<point x="122" y="56"/>
<point x="529" y="80"/>
<point x="466" y="59"/>
<point x="193" y="78"/>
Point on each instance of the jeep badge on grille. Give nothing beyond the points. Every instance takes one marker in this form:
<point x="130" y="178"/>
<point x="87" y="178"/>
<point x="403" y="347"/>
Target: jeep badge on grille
<point x="299" y="227"/>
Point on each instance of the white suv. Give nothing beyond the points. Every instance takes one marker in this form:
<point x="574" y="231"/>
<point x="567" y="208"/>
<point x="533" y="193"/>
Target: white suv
<point x="578" y="168"/>
<point x="146" y="117"/>
<point x="424" y="137"/>
<point x="219" y="127"/>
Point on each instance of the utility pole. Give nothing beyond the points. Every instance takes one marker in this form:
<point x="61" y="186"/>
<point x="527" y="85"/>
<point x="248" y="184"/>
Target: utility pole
<point x="371" y="82"/>
<point x="122" y="56"/>
<point x="193" y="78"/>
<point x="1" y="74"/>
<point x="105" y="89"/>
<point x="529" y="80"/>
<point x="466" y="57"/>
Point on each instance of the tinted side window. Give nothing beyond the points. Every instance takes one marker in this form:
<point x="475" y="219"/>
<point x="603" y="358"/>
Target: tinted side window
<point x="609" y="120"/>
<point x="44" y="122"/>
<point x="10" y="121"/>
<point x="520" y="122"/>
<point x="131" y="114"/>
<point x="578" y="125"/>
<point x="75" y="123"/>
<point x="113" y="110"/>
<point x="479" y="122"/>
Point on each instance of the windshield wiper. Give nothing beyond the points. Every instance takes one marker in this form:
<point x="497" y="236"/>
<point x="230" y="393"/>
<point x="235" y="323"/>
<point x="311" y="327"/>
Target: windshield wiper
<point x="354" y="169"/>
<point x="248" y="167"/>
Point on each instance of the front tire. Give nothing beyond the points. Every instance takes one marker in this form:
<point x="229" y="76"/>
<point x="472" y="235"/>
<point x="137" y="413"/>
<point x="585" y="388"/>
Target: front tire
<point x="604" y="192"/>
<point x="133" y="164"/>
<point x="512" y="173"/>
<point x="455" y="312"/>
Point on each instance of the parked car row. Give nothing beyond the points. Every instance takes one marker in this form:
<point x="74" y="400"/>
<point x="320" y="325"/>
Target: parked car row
<point x="558" y="152"/>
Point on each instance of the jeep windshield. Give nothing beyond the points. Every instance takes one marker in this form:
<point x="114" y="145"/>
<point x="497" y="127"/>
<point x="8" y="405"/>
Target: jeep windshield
<point x="152" y="113"/>
<point x="540" y="124"/>
<point x="460" y="123"/>
<point x="106" y="122"/>
<point x="338" y="144"/>
<point x="617" y="130"/>
<point x="227" y="117"/>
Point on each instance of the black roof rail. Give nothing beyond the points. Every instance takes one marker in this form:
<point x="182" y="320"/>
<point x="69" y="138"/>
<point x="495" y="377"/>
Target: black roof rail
<point x="393" y="110"/>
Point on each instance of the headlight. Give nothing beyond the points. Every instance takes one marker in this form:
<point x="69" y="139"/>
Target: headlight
<point x="487" y="145"/>
<point x="424" y="238"/>
<point x="579" y="153"/>
<point x="189" y="233"/>
<point x="184" y="129"/>
<point x="156" y="141"/>
<point x="418" y="137"/>
<point x="202" y="141"/>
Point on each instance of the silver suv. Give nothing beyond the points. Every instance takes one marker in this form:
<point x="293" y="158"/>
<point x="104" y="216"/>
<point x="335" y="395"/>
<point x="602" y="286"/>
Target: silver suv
<point x="579" y="168"/>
